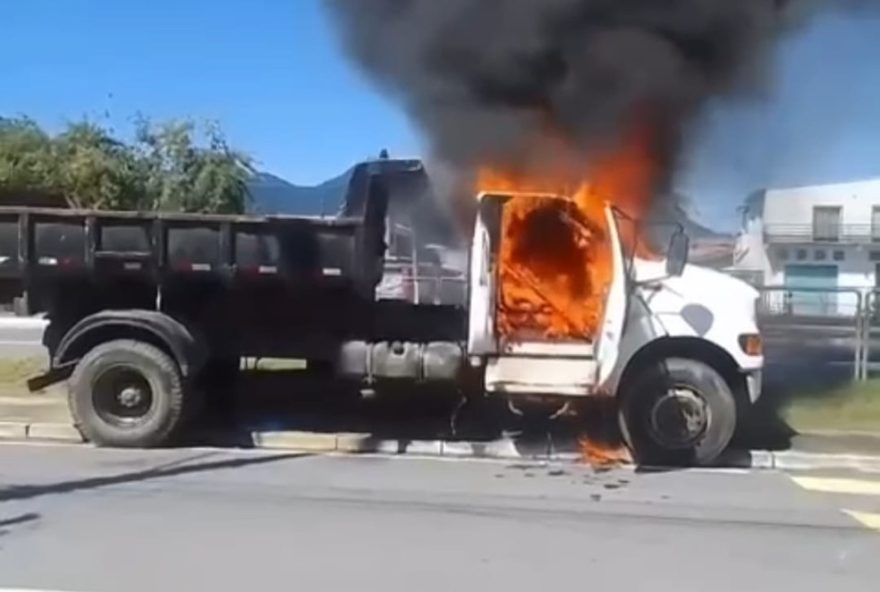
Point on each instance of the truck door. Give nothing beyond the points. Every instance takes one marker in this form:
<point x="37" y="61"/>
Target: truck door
<point x="482" y="277"/>
<point x="616" y="306"/>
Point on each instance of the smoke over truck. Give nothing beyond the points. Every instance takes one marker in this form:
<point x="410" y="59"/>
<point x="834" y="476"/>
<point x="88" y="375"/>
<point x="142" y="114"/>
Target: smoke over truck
<point x="150" y="313"/>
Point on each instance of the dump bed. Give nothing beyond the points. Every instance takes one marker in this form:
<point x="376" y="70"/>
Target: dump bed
<point x="41" y="245"/>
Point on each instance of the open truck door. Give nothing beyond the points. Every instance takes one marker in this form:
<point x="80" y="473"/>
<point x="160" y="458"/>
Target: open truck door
<point x="616" y="304"/>
<point x="547" y="294"/>
<point x="483" y="278"/>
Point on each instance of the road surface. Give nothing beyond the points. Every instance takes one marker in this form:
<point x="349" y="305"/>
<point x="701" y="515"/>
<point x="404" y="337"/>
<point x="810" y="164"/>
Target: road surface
<point x="78" y="519"/>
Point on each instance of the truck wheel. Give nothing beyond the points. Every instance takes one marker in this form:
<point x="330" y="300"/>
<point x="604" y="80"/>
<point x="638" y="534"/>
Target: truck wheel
<point x="678" y="412"/>
<point x="127" y="394"/>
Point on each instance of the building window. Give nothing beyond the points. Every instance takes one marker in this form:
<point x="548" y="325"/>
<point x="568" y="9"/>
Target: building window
<point x="826" y="223"/>
<point x="801" y="254"/>
<point x="839" y="256"/>
<point x="875" y="224"/>
<point x="820" y="255"/>
<point x="875" y="256"/>
<point x="782" y="254"/>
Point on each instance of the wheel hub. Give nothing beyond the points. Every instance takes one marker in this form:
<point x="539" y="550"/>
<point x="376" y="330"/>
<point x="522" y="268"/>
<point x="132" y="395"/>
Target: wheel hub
<point x="130" y="397"/>
<point x="679" y="418"/>
<point x="122" y="396"/>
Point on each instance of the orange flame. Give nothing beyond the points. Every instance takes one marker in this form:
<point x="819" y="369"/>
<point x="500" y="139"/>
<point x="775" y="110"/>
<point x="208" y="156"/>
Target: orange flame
<point x="603" y="456"/>
<point x="555" y="259"/>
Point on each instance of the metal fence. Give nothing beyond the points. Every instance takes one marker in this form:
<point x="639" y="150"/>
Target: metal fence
<point x="432" y="286"/>
<point x="822" y="327"/>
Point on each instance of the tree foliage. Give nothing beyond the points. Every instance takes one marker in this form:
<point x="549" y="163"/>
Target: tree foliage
<point x="172" y="166"/>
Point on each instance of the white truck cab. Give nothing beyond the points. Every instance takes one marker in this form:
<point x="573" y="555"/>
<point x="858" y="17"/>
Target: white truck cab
<point x="677" y="344"/>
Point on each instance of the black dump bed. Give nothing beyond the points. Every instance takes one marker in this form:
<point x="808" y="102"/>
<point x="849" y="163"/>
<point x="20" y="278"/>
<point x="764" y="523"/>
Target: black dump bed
<point x="40" y="246"/>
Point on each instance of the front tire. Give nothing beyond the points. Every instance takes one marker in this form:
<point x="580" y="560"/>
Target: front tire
<point x="127" y="394"/>
<point x="677" y="412"/>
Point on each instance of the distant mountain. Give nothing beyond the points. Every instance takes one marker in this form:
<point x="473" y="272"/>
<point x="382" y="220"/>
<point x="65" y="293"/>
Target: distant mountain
<point x="694" y="229"/>
<point x="672" y="212"/>
<point x="274" y="195"/>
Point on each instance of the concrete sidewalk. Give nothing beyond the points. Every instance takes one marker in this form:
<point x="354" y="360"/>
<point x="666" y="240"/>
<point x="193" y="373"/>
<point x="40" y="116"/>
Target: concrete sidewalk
<point x="44" y="417"/>
<point x="35" y="408"/>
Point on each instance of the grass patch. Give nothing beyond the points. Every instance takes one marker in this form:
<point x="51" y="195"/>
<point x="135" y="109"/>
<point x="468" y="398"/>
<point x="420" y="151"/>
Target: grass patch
<point x="14" y="372"/>
<point x="855" y="407"/>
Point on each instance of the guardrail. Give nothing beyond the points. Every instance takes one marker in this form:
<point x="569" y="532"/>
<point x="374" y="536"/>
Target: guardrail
<point x="829" y="234"/>
<point x="399" y="283"/>
<point x="824" y="320"/>
<point x="816" y="319"/>
<point x="436" y="289"/>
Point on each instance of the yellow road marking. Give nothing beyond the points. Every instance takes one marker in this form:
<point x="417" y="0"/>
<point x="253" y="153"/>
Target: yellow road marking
<point x="849" y="486"/>
<point x="871" y="521"/>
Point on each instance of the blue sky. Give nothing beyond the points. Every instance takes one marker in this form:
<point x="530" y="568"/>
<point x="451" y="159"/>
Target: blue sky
<point x="272" y="73"/>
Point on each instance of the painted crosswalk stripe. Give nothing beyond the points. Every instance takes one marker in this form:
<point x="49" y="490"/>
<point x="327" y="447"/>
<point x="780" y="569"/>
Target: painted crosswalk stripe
<point x="846" y="486"/>
<point x="867" y="519"/>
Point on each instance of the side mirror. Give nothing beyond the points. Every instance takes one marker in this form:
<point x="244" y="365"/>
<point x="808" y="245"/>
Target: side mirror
<point x="677" y="254"/>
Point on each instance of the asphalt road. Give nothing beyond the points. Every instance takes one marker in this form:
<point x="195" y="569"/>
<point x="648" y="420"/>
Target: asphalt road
<point x="77" y="519"/>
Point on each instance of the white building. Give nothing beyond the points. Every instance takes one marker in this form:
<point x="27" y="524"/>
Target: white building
<point x="820" y="243"/>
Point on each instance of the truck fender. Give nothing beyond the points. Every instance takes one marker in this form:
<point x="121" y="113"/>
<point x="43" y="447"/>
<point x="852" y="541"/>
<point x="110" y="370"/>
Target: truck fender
<point x="694" y="348"/>
<point x="188" y="350"/>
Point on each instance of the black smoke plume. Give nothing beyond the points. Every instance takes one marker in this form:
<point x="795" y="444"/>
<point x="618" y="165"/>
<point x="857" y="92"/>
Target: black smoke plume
<point x="488" y="81"/>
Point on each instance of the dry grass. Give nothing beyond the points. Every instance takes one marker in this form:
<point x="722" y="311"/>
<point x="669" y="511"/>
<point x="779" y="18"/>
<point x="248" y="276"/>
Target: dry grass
<point x="14" y="373"/>
<point x="856" y="407"/>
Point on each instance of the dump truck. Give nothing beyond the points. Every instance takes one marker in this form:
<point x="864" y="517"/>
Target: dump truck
<point x="145" y="308"/>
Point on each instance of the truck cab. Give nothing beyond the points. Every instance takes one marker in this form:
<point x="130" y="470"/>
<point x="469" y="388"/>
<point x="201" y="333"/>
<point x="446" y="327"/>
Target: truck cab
<point x="677" y="344"/>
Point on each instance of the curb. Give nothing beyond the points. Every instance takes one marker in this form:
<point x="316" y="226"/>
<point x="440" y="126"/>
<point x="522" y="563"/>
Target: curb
<point x="13" y="431"/>
<point x="23" y="323"/>
<point x="816" y="461"/>
<point x="505" y="449"/>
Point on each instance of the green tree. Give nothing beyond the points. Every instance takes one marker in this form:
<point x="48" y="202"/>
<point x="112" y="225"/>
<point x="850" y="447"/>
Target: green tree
<point x="26" y="156"/>
<point x="96" y="171"/>
<point x="175" y="166"/>
<point x="181" y="175"/>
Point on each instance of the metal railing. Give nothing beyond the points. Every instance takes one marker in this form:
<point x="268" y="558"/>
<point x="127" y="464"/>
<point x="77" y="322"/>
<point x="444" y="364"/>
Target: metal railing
<point x="822" y="233"/>
<point x="436" y="289"/>
<point x="432" y="285"/>
<point x="825" y="322"/>
<point x="836" y="324"/>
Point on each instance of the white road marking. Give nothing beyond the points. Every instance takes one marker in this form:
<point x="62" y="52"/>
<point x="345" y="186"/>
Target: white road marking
<point x="862" y="487"/>
<point x="845" y="486"/>
<point x="30" y="590"/>
<point x="867" y="519"/>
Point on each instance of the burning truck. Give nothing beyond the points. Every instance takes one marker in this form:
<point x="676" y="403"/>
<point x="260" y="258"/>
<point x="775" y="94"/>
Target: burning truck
<point x="570" y="117"/>
<point x="565" y="120"/>
<point x="583" y="315"/>
<point x="565" y="303"/>
<point x="150" y="312"/>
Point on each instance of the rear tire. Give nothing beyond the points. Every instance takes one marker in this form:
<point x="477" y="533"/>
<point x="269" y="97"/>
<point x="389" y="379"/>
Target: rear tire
<point x="677" y="412"/>
<point x="127" y="394"/>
